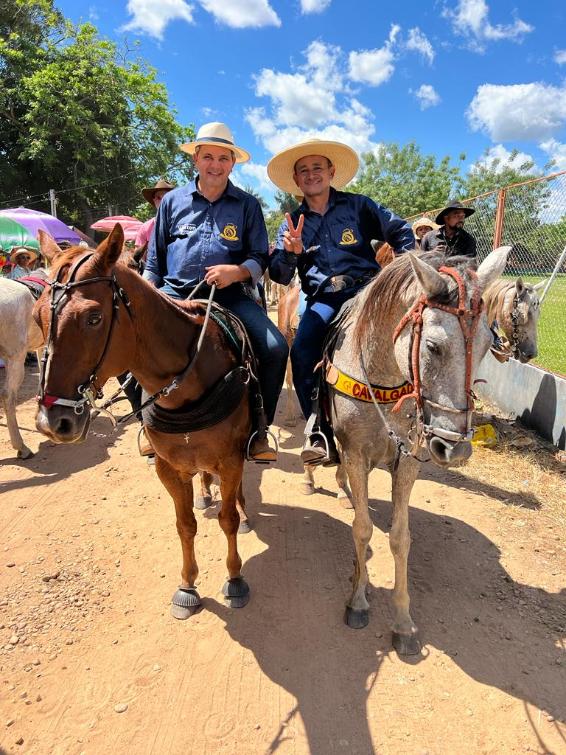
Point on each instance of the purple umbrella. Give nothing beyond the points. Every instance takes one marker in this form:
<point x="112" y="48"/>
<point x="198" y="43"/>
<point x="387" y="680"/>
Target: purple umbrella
<point x="34" y="220"/>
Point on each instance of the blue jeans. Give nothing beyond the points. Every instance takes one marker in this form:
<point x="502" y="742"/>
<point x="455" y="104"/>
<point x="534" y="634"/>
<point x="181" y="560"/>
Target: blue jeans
<point x="270" y="347"/>
<point x="306" y="351"/>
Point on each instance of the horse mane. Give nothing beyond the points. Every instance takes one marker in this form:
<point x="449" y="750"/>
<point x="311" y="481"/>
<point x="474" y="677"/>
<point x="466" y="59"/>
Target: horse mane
<point x="395" y="283"/>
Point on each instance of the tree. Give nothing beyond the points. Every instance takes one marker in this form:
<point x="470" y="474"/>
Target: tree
<point x="286" y="202"/>
<point x="262" y="203"/>
<point x="405" y="181"/>
<point x="273" y="220"/>
<point x="86" y="120"/>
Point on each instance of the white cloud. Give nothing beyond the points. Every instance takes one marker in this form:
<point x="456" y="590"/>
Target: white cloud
<point x="427" y="96"/>
<point x="314" y="6"/>
<point x="258" y="174"/>
<point x="418" y="42"/>
<point x="471" y="18"/>
<point x="519" y="111"/>
<point x="312" y="102"/>
<point x="374" y="67"/>
<point x="498" y="158"/>
<point x="560" y="57"/>
<point x="152" y="16"/>
<point x="556" y="151"/>
<point x="241" y="14"/>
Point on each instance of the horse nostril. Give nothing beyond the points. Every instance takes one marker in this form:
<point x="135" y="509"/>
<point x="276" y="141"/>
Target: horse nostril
<point x="63" y="426"/>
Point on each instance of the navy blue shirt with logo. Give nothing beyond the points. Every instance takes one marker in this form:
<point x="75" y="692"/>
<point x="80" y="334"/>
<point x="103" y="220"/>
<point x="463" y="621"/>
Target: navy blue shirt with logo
<point x="192" y="234"/>
<point x="338" y="242"/>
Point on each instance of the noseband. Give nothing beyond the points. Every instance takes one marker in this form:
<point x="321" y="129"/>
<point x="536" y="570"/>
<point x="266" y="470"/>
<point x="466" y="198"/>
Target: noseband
<point x="59" y="297"/>
<point x="468" y="319"/>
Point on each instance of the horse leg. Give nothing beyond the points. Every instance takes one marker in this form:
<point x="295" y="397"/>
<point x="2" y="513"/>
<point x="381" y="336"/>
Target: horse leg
<point x="245" y="525"/>
<point x="235" y="589"/>
<point x="307" y="485"/>
<point x="204" y="500"/>
<point x="14" y="376"/>
<point x="290" y="419"/>
<point x="186" y="600"/>
<point x="344" y="492"/>
<point x="405" y="633"/>
<point x="357" y="609"/>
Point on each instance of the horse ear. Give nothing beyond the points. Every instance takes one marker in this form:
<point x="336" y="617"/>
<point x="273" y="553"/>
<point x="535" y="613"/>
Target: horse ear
<point x="492" y="266"/>
<point x="111" y="248"/>
<point x="432" y="283"/>
<point x="539" y="285"/>
<point x="519" y="287"/>
<point x="47" y="245"/>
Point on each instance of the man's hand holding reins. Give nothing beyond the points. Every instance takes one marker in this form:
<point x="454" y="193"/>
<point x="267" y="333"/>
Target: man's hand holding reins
<point x="225" y="275"/>
<point x="292" y="237"/>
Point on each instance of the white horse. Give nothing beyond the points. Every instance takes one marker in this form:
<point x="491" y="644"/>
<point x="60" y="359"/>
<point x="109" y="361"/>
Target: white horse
<point x="19" y="334"/>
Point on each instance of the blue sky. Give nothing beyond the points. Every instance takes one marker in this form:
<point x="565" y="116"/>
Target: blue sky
<point x="462" y="76"/>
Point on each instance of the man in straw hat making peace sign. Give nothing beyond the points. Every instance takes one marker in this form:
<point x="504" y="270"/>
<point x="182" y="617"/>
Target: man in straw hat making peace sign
<point x="212" y="231"/>
<point x="327" y="239"/>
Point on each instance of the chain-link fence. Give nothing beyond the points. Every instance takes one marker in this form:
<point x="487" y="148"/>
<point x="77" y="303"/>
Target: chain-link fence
<point x="531" y="218"/>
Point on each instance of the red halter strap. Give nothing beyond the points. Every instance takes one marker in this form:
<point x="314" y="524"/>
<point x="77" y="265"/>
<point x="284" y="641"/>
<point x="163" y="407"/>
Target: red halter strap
<point x="468" y="319"/>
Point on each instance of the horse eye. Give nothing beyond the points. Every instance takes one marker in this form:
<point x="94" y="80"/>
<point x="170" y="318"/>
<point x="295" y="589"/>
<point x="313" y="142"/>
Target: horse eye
<point x="433" y="347"/>
<point x="95" y="318"/>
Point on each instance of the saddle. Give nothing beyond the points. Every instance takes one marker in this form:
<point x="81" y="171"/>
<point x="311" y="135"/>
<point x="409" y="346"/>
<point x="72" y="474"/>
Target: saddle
<point x="221" y="399"/>
<point x="34" y="284"/>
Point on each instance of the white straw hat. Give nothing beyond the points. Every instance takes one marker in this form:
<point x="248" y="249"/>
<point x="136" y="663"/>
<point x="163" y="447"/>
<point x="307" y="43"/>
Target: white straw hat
<point x="216" y="135"/>
<point x="281" y="167"/>
<point x="427" y="222"/>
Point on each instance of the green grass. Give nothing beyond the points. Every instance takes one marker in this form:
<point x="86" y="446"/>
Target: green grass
<point x="552" y="325"/>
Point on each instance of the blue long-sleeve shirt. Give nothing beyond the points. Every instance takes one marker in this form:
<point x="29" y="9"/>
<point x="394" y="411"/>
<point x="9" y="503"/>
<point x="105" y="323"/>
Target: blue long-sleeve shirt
<point x="341" y="240"/>
<point x="192" y="234"/>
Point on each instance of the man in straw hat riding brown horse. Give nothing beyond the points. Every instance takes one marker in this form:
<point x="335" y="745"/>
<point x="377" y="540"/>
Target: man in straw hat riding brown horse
<point x="212" y="232"/>
<point x="328" y="241"/>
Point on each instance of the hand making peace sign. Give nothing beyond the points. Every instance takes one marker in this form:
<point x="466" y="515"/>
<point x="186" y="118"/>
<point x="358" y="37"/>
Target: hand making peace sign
<point x="292" y="240"/>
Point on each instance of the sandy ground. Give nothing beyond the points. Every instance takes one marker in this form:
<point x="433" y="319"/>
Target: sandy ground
<point x="92" y="662"/>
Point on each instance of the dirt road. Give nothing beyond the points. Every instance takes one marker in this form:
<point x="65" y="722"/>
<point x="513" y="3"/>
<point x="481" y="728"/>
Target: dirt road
<point x="92" y="662"/>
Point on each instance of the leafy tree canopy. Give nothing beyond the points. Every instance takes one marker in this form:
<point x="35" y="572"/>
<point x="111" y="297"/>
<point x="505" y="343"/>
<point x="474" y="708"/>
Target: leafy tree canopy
<point x="80" y="116"/>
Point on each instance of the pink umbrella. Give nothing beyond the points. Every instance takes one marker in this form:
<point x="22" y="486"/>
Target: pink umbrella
<point x="130" y="225"/>
<point x="34" y="220"/>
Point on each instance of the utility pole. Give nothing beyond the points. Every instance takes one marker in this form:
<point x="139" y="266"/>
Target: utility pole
<point x="53" y="202"/>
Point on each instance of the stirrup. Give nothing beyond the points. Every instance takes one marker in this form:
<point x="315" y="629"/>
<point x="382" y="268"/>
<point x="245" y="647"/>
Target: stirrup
<point x="311" y="436"/>
<point x="141" y="437"/>
<point x="249" y="445"/>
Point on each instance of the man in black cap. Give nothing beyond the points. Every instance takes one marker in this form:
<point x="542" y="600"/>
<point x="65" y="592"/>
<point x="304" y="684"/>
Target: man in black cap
<point x="451" y="238"/>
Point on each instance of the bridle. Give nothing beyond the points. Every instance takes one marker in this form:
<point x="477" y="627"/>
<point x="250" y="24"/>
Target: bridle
<point x="59" y="292"/>
<point x="468" y="319"/>
<point x="89" y="392"/>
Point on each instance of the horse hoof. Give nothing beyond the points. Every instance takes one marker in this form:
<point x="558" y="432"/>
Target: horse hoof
<point x="356" y="619"/>
<point x="202" y="502"/>
<point x="25" y="453"/>
<point x="185" y="603"/>
<point x="236" y="592"/>
<point x="244" y="527"/>
<point x="307" y="488"/>
<point x="406" y="644"/>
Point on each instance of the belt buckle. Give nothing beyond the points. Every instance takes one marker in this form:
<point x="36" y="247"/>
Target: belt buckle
<point x="339" y="282"/>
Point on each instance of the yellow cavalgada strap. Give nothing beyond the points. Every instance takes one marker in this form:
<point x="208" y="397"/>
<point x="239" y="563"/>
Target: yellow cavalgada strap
<point x="349" y="386"/>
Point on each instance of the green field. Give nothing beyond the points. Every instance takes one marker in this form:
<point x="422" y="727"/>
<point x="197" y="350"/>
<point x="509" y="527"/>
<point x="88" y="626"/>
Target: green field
<point x="552" y="326"/>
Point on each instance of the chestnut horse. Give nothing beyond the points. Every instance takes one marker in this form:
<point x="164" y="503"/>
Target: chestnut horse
<point x="102" y="319"/>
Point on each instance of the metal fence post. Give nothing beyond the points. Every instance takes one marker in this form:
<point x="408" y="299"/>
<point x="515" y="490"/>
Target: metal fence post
<point x="499" y="217"/>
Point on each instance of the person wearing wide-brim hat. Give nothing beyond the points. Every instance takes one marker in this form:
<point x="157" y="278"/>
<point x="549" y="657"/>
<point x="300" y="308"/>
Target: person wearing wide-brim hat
<point x="450" y="237"/>
<point x="22" y="258"/>
<point x="211" y="231"/>
<point x="328" y="241"/>
<point x="420" y="227"/>
<point x="153" y="195"/>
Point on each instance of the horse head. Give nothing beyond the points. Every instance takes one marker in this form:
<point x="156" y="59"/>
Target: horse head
<point x="79" y="316"/>
<point x="516" y="310"/>
<point x="439" y="344"/>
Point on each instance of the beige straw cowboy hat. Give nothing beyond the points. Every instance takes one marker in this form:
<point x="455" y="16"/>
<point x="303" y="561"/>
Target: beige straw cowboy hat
<point x="424" y="221"/>
<point x="281" y="167"/>
<point x="161" y="185"/>
<point x="16" y="251"/>
<point x="216" y="135"/>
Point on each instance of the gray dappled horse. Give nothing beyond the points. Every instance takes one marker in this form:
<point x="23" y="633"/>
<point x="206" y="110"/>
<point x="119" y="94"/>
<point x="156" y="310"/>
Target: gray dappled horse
<point x="421" y="325"/>
<point x="515" y="308"/>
